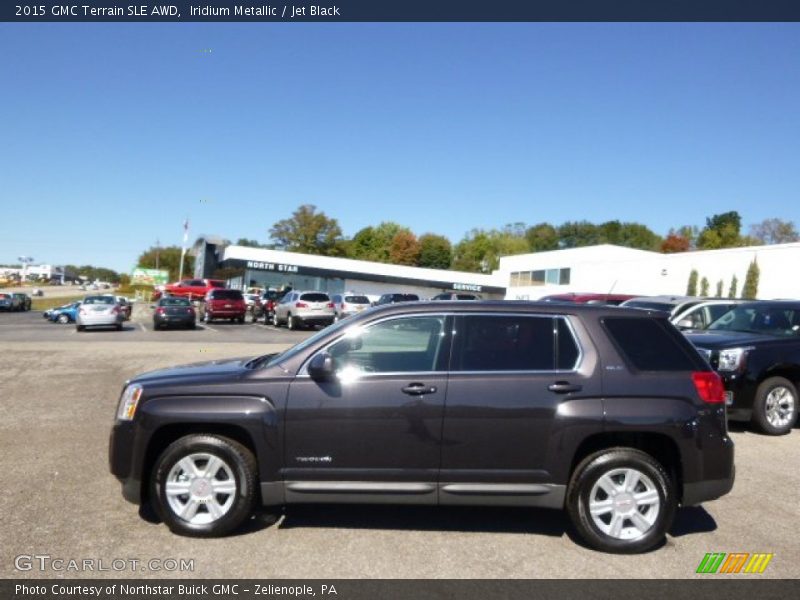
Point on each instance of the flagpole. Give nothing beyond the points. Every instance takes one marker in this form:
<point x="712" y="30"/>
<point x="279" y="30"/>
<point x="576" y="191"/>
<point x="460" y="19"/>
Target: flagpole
<point x="183" y="247"/>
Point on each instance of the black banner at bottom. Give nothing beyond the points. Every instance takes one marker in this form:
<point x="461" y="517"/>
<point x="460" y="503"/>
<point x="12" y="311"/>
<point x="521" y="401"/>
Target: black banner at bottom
<point x="385" y="589"/>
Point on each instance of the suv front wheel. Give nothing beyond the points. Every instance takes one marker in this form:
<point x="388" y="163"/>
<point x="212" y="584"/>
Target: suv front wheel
<point x="775" y="406"/>
<point x="204" y="485"/>
<point x="621" y="500"/>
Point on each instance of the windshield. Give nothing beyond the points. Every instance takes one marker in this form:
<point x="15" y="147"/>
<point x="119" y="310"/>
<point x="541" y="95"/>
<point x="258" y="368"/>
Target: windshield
<point x="768" y="320"/>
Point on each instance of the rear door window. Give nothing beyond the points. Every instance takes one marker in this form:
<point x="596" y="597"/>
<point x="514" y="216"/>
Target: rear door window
<point x="505" y="343"/>
<point x="652" y="344"/>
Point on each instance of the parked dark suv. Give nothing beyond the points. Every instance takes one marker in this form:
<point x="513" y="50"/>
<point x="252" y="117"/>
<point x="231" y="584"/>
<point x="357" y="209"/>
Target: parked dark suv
<point x="608" y="413"/>
<point x="393" y="298"/>
<point x="756" y="349"/>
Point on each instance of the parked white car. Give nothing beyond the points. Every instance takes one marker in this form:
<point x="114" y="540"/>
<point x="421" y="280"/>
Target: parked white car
<point x="99" y="311"/>
<point x="702" y="315"/>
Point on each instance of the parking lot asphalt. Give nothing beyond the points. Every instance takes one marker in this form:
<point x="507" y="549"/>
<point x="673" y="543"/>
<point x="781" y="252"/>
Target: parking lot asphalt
<point x="59" y="391"/>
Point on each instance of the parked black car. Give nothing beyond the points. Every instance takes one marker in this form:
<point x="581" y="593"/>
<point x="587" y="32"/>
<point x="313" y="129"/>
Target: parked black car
<point x="608" y="413"/>
<point x="24" y="301"/>
<point x="174" y="311"/>
<point x="393" y="298"/>
<point x="756" y="349"/>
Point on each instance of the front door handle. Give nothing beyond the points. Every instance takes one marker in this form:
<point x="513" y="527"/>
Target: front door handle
<point x="418" y="389"/>
<point x="564" y="387"/>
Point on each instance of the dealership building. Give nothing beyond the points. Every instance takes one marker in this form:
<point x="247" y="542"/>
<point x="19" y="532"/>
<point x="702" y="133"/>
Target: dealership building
<point x="615" y="269"/>
<point x="246" y="267"/>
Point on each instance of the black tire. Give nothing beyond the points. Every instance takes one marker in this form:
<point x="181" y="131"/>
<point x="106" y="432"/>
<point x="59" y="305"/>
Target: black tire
<point x="587" y="474"/>
<point x="63" y="319"/>
<point x="193" y="326"/>
<point x="244" y="469"/>
<point x="240" y="320"/>
<point x="760" y="418"/>
<point x="80" y="328"/>
<point x="118" y="327"/>
<point x="291" y="324"/>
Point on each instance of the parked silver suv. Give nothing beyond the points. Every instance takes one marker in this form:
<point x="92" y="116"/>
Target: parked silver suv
<point x="348" y="304"/>
<point x="299" y="309"/>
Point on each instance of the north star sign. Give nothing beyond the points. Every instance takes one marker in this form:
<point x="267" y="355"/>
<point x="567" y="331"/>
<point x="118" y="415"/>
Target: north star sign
<point x="267" y="266"/>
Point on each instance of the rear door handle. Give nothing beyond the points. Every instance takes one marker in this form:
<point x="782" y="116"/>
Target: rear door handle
<point x="418" y="389"/>
<point x="564" y="387"/>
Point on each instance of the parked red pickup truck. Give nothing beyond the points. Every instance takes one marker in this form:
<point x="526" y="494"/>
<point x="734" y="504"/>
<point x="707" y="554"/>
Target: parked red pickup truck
<point x="194" y="289"/>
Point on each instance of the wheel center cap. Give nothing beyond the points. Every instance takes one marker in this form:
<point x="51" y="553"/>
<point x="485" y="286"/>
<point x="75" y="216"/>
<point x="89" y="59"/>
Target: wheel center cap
<point x="201" y="487"/>
<point x="624" y="502"/>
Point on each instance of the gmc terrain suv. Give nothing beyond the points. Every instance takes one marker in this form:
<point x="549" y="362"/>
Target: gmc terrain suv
<point x="756" y="349"/>
<point x="608" y="413"/>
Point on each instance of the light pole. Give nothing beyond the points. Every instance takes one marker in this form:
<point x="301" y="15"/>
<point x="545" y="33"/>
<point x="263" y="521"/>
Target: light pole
<point x="26" y="261"/>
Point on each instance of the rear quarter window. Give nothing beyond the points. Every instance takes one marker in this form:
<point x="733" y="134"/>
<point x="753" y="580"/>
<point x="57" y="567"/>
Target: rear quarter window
<point x="652" y="344"/>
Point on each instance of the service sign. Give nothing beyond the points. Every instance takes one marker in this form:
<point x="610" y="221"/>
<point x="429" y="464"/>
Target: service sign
<point x="142" y="276"/>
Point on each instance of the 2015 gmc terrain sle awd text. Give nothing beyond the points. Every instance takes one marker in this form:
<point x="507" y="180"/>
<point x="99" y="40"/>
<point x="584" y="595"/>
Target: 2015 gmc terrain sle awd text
<point x="606" y="412"/>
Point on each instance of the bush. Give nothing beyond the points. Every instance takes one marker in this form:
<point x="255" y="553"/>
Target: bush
<point x="691" y="287"/>
<point x="750" y="287"/>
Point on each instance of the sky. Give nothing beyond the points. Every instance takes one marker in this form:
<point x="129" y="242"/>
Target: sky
<point x="112" y="134"/>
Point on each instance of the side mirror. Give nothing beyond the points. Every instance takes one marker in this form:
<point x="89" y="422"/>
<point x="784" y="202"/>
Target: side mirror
<point x="685" y="324"/>
<point x="321" y="367"/>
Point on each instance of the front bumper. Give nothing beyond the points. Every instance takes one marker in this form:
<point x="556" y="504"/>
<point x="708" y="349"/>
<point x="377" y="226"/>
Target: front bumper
<point x="744" y="391"/>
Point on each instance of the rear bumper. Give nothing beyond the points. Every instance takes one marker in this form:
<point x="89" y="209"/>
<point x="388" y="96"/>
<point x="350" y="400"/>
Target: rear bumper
<point x="315" y="320"/>
<point x="100" y="321"/>
<point x="174" y="320"/>
<point x="704" y="491"/>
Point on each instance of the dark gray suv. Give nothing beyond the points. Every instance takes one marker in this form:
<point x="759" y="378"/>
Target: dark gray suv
<point x="608" y="413"/>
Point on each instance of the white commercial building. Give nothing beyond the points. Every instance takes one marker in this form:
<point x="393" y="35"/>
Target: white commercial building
<point x="245" y="267"/>
<point x="615" y="269"/>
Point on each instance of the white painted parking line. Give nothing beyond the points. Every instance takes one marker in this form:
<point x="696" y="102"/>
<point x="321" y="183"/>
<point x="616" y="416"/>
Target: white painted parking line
<point x="210" y="328"/>
<point x="142" y="326"/>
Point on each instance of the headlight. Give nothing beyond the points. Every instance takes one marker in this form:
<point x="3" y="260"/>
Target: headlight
<point x="128" y="402"/>
<point x="731" y="359"/>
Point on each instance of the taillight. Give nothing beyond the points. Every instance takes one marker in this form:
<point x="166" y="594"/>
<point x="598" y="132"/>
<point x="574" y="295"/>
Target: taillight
<point x="190" y="310"/>
<point x="301" y="305"/>
<point x="709" y="387"/>
<point x="160" y="310"/>
<point x="330" y="304"/>
<point x="115" y="310"/>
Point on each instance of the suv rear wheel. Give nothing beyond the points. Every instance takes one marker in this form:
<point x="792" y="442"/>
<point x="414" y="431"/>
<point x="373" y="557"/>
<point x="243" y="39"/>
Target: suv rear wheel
<point x="621" y="500"/>
<point x="775" y="406"/>
<point x="204" y="485"/>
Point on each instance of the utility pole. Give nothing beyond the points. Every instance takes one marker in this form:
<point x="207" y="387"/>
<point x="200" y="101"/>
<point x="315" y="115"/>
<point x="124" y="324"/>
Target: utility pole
<point x="158" y="249"/>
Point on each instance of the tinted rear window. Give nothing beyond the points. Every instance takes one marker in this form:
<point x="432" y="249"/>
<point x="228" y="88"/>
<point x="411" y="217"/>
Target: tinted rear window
<point x="226" y="295"/>
<point x="214" y="283"/>
<point x="650" y="344"/>
<point x="505" y="343"/>
<point x="356" y="299"/>
<point x="410" y="297"/>
<point x="315" y="297"/>
<point x="174" y="302"/>
<point x="99" y="300"/>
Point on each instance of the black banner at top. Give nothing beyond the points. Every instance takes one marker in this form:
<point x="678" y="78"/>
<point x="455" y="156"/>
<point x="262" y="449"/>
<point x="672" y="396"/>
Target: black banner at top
<point x="339" y="11"/>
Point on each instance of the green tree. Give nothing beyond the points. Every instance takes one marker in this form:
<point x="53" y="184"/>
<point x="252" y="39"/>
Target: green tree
<point x="721" y="231"/>
<point x="574" y="234"/>
<point x="250" y="243"/>
<point x="480" y="250"/>
<point x="732" y="291"/>
<point x="704" y="286"/>
<point x="374" y="243"/>
<point x="691" y="286"/>
<point x="542" y="237"/>
<point x="774" y="231"/>
<point x="308" y="231"/>
<point x="720" y="283"/>
<point x="404" y="249"/>
<point x="435" y="252"/>
<point x="750" y="287"/>
<point x="169" y="259"/>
